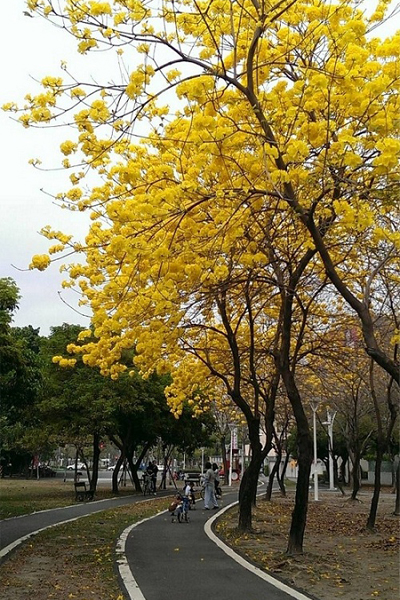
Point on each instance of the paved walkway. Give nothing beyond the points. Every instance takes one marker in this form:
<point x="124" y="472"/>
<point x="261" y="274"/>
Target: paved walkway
<point x="159" y="559"/>
<point x="16" y="530"/>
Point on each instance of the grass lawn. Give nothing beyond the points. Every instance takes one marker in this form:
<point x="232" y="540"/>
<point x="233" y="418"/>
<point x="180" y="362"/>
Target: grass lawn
<point x="23" y="496"/>
<point x="74" y="560"/>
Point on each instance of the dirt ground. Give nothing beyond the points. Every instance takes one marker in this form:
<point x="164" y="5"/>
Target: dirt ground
<point x="341" y="558"/>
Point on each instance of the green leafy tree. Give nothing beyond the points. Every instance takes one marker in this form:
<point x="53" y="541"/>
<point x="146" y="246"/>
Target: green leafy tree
<point x="77" y="403"/>
<point x="136" y="420"/>
<point x="20" y="381"/>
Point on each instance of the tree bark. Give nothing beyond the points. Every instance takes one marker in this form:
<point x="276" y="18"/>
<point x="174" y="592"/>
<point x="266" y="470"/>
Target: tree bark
<point x="397" y="502"/>
<point x="274" y="471"/>
<point x="96" y="457"/>
<point x="281" y="475"/>
<point x="304" y="439"/>
<point x="355" y="475"/>
<point x="224" y="459"/>
<point x="377" y="488"/>
<point x="248" y="484"/>
<point x="299" y="515"/>
<point x="336" y="476"/>
<point x="118" y="464"/>
<point x="133" y="472"/>
<point x="305" y="457"/>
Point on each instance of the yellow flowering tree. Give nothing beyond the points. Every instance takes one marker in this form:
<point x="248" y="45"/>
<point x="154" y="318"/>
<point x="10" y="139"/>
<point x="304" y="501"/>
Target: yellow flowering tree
<point x="297" y="94"/>
<point x="269" y="137"/>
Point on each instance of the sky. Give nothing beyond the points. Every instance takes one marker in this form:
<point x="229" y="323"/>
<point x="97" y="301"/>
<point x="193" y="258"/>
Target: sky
<point x="30" y="49"/>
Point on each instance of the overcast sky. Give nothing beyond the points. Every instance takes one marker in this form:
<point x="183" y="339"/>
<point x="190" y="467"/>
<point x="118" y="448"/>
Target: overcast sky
<point x="31" y="48"/>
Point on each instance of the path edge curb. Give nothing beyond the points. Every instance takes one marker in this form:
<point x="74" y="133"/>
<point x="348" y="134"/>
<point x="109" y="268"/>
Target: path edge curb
<point x="208" y="528"/>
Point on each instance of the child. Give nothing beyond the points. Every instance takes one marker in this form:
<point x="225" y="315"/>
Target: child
<point x="189" y="493"/>
<point x="174" y="506"/>
<point x="183" y="509"/>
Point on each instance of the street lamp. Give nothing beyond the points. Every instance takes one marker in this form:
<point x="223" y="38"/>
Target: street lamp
<point x="230" y="457"/>
<point x="330" y="417"/>
<point x="314" y="405"/>
<point x="232" y="430"/>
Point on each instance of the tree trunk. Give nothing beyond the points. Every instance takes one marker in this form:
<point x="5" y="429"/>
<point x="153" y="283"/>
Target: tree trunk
<point x="225" y="459"/>
<point x="377" y="488"/>
<point x="299" y="515"/>
<point x="397" y="503"/>
<point x="140" y="458"/>
<point x="135" y="479"/>
<point x="336" y="477"/>
<point x="167" y="451"/>
<point x="343" y="471"/>
<point x="355" y="475"/>
<point x="305" y="457"/>
<point x="116" y="471"/>
<point x="274" y="470"/>
<point x="133" y="471"/>
<point x="281" y="475"/>
<point x="96" y="457"/>
<point x="248" y="484"/>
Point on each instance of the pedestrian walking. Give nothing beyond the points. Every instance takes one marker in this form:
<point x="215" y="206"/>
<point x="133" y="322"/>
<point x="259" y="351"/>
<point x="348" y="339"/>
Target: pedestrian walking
<point x="218" y="491"/>
<point x="210" y="500"/>
<point x="152" y="471"/>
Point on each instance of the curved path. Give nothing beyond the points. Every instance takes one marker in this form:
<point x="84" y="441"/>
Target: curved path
<point x="16" y="530"/>
<point x="157" y="559"/>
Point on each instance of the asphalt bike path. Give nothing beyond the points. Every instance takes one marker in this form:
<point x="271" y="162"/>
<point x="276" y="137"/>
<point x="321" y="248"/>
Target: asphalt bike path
<point x="160" y="559"/>
<point x="15" y="530"/>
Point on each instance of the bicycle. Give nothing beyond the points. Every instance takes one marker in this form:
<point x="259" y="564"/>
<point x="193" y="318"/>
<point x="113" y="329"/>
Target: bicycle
<point x="147" y="484"/>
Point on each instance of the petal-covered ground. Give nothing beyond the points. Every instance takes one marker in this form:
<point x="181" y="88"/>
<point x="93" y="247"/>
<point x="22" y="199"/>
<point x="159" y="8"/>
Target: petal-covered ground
<point x="341" y="559"/>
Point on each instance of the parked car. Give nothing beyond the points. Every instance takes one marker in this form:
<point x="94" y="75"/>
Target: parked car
<point x="78" y="466"/>
<point x="47" y="471"/>
<point x="44" y="471"/>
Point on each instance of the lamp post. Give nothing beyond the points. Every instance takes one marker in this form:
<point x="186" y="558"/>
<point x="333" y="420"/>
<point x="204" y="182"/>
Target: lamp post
<point x="314" y="406"/>
<point x="330" y="417"/>
<point x="202" y="460"/>
<point x="231" y="429"/>
<point x="230" y="457"/>
<point x="243" y="451"/>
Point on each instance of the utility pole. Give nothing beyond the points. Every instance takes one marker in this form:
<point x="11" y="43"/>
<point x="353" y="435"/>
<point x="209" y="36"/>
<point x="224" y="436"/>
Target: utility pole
<point x="314" y="405"/>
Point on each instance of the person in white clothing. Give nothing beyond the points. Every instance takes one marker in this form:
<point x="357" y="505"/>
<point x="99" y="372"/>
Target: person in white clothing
<point x="189" y="492"/>
<point x="210" y="500"/>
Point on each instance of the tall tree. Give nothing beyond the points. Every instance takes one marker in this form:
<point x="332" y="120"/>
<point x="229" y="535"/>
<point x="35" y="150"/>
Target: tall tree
<point x="284" y="111"/>
<point x="298" y="91"/>
<point x="20" y="379"/>
<point x="77" y="401"/>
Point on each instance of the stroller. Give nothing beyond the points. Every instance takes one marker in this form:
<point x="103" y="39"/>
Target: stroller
<point x="179" y="509"/>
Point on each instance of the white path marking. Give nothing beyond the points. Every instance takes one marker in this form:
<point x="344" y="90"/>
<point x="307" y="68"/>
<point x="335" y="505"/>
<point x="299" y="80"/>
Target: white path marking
<point x="239" y="559"/>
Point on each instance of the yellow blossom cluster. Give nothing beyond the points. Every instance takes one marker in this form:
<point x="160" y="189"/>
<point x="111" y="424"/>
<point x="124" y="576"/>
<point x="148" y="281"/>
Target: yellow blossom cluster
<point x="64" y="362"/>
<point x="282" y="114"/>
<point x="40" y="262"/>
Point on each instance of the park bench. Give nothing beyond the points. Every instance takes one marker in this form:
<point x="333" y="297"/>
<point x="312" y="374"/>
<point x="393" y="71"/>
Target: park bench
<point x="193" y="477"/>
<point x="82" y="493"/>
